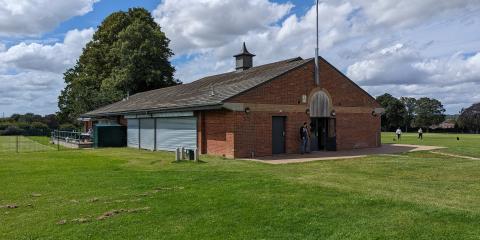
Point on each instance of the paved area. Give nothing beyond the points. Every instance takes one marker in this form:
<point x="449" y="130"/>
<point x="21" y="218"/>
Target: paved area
<point x="385" y="149"/>
<point x="455" y="155"/>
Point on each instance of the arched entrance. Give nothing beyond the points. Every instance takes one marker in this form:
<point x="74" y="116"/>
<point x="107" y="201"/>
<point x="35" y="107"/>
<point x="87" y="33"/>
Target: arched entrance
<point x="322" y="122"/>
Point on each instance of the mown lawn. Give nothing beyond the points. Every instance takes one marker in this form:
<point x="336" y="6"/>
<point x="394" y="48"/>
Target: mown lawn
<point x="143" y="195"/>
<point x="468" y="144"/>
<point x="21" y="144"/>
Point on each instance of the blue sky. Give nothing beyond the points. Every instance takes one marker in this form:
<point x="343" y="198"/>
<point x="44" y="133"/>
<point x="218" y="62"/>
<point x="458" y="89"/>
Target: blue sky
<point x="404" y="47"/>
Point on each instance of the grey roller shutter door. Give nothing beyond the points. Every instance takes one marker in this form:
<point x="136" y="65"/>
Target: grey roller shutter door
<point x="147" y="133"/>
<point x="132" y="133"/>
<point x="176" y="132"/>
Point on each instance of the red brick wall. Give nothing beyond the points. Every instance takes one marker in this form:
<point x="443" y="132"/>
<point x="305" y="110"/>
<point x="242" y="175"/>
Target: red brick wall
<point x="253" y="133"/>
<point x="354" y="130"/>
<point x="237" y="134"/>
<point x="286" y="89"/>
<point x="218" y="131"/>
<point x="357" y="130"/>
<point x="289" y="88"/>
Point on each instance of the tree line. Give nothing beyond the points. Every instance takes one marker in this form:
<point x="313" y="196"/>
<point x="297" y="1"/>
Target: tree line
<point x="469" y="119"/>
<point x="408" y="112"/>
<point x="33" y="125"/>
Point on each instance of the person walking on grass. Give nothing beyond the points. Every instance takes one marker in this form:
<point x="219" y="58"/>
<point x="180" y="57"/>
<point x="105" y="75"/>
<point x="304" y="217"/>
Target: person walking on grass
<point x="420" y="133"/>
<point x="303" y="138"/>
<point x="399" y="133"/>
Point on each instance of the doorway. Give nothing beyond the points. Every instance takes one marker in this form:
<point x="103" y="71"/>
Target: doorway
<point x="322" y="134"/>
<point x="278" y="135"/>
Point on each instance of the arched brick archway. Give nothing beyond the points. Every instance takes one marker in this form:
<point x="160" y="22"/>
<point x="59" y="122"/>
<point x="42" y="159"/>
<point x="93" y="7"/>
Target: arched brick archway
<point x="320" y="104"/>
<point x="322" y="122"/>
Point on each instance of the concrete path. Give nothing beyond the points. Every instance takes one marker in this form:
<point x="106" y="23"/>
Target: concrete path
<point x="344" y="154"/>
<point x="455" y="155"/>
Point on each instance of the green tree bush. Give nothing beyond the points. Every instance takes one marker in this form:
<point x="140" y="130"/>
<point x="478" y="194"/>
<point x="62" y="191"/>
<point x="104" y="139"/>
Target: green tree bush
<point x="67" y="127"/>
<point x="469" y="118"/>
<point x="428" y="111"/>
<point x="395" y="111"/>
<point x="128" y="54"/>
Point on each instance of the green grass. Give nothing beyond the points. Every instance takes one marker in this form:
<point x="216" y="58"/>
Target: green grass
<point x="469" y="144"/>
<point x="12" y="144"/>
<point x="408" y="196"/>
<point x="41" y="139"/>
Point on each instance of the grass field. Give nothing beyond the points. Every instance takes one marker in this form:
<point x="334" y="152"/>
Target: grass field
<point x="11" y="144"/>
<point x="133" y="194"/>
<point x="468" y="144"/>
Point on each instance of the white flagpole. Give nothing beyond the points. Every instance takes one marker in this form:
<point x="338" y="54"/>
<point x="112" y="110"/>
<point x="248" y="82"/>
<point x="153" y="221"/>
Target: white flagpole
<point x="317" y="79"/>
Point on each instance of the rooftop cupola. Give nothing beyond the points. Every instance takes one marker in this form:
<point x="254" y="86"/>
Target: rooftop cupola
<point x="243" y="60"/>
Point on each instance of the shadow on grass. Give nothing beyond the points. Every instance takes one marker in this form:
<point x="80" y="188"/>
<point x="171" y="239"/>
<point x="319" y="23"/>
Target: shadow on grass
<point x="188" y="161"/>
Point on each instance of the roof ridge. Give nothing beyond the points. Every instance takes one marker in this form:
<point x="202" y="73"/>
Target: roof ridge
<point x="220" y="74"/>
<point x="199" y="91"/>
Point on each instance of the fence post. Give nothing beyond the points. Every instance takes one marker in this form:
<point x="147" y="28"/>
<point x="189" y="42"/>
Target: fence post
<point x="58" y="141"/>
<point x="195" y="153"/>
<point x="16" y="145"/>
<point x="177" y="154"/>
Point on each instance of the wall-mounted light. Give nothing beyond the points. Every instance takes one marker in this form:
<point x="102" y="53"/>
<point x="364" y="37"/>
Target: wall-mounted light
<point x="333" y="113"/>
<point x="247" y="110"/>
<point x="378" y="111"/>
<point x="307" y="112"/>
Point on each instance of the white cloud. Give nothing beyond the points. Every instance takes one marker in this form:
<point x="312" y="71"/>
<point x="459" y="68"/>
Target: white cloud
<point x="380" y="44"/>
<point x="406" y="13"/>
<point x="31" y="91"/>
<point x="391" y="65"/>
<point x="54" y="58"/>
<point x="213" y="23"/>
<point x="454" y="70"/>
<point x="403" y="71"/>
<point x="400" y="64"/>
<point x="31" y="74"/>
<point x="199" y="30"/>
<point x="33" y="17"/>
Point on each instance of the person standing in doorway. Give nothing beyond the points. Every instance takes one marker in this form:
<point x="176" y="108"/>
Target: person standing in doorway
<point x="303" y="138"/>
<point x="420" y="133"/>
<point x="399" y="133"/>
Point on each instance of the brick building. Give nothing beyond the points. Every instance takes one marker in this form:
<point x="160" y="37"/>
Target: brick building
<point x="252" y="111"/>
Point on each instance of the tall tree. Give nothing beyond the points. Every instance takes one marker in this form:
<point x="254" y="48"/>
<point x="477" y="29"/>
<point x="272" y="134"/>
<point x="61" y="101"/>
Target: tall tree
<point x="128" y="54"/>
<point x="410" y="104"/>
<point x="429" y="111"/>
<point x="394" y="115"/>
<point x="470" y="118"/>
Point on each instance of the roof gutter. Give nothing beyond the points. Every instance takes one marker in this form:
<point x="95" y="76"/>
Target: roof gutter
<point x="153" y="111"/>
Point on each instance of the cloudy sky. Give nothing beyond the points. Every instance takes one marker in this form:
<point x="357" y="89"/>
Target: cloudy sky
<point x="403" y="47"/>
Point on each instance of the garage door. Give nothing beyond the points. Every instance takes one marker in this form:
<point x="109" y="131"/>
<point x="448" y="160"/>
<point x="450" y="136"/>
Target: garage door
<point x="176" y="132"/>
<point x="147" y="133"/>
<point x="132" y="133"/>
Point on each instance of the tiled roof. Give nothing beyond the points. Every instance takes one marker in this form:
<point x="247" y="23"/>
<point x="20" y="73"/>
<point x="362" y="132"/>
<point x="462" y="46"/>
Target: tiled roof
<point x="206" y="92"/>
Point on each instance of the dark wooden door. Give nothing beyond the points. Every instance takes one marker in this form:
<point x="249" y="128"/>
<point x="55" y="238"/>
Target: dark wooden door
<point x="278" y="135"/>
<point x="314" y="143"/>
<point x="322" y="135"/>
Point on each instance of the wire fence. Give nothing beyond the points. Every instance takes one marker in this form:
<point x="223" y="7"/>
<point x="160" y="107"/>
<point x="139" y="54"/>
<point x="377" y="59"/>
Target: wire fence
<point x="20" y="144"/>
<point x="58" y="141"/>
